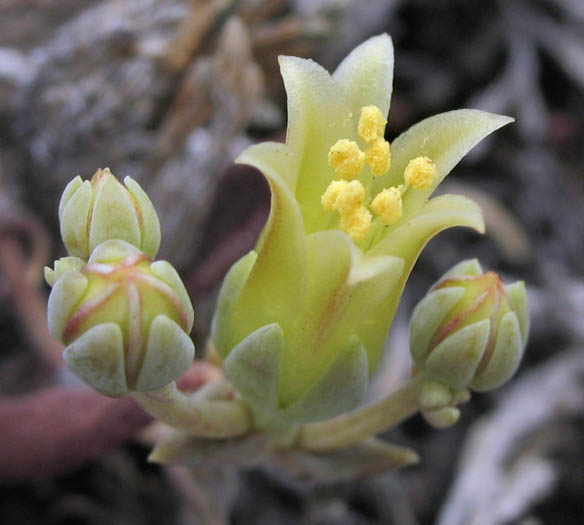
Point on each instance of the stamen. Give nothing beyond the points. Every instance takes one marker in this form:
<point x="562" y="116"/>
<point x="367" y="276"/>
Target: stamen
<point x="371" y="123"/>
<point x="350" y="197"/>
<point x="387" y="205"/>
<point x="330" y="196"/>
<point x="378" y="156"/>
<point x="346" y="158"/>
<point x="356" y="223"/>
<point x="343" y="196"/>
<point x="420" y="172"/>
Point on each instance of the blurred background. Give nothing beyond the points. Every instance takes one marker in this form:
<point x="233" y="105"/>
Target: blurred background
<point x="169" y="92"/>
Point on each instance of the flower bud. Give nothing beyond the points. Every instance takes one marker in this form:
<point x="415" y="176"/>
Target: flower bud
<point x="125" y="320"/>
<point x="470" y="330"/>
<point x="91" y="212"/>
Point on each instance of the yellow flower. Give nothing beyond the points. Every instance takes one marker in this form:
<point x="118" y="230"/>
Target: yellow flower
<point x="302" y="319"/>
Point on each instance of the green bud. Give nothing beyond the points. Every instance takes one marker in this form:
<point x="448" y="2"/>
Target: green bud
<point x="470" y="330"/>
<point x="94" y="211"/>
<point x="125" y="320"/>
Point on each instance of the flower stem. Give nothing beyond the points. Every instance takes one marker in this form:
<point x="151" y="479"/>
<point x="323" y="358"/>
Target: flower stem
<point x="349" y="429"/>
<point x="198" y="417"/>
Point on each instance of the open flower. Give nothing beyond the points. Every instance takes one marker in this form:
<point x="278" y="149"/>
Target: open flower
<point x="301" y="320"/>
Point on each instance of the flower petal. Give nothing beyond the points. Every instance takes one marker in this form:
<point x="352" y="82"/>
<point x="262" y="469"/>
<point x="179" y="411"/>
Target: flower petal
<point x="274" y="289"/>
<point x="371" y="280"/>
<point x="444" y="138"/>
<point x="228" y="296"/>
<point x="366" y="75"/>
<point x="318" y="116"/>
<point x="329" y="262"/>
<point x="407" y="242"/>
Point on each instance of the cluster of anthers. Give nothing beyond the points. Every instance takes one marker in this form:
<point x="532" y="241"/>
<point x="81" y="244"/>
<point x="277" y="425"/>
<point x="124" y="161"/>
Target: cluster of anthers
<point x="348" y="196"/>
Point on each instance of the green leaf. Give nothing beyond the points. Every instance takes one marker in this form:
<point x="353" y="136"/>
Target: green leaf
<point x="367" y="458"/>
<point x="178" y="448"/>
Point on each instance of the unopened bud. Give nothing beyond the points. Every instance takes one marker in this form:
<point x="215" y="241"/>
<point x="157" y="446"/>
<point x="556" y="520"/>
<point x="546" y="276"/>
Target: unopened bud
<point x="470" y="330"/>
<point x="91" y="212"/>
<point x="125" y="320"/>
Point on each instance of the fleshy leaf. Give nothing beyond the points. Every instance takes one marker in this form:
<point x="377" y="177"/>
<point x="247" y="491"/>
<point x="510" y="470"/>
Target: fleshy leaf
<point x="178" y="448"/>
<point x="340" y="388"/>
<point x="366" y="74"/>
<point x="228" y="296"/>
<point x="318" y="116"/>
<point x="254" y="366"/>
<point x="369" y="457"/>
<point x="446" y="139"/>
<point x="407" y="242"/>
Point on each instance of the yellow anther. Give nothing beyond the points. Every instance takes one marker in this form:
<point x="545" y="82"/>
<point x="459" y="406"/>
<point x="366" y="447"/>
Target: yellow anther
<point x="387" y="205"/>
<point x="350" y="197"/>
<point x="378" y="156"/>
<point x="356" y="222"/>
<point x="346" y="158"/>
<point x="343" y="196"/>
<point x="330" y="196"/>
<point x="371" y="123"/>
<point x="420" y="172"/>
